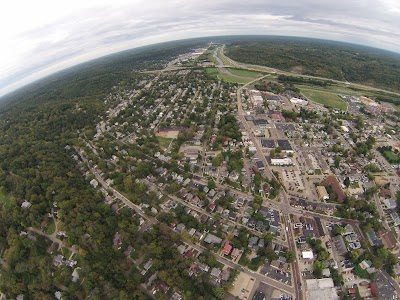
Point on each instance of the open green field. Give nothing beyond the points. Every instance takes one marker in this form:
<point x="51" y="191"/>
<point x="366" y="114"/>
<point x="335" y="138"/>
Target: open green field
<point x="325" y="98"/>
<point x="333" y="89"/>
<point x="244" y="73"/>
<point x="5" y="200"/>
<point x="225" y="77"/>
<point x="164" y="142"/>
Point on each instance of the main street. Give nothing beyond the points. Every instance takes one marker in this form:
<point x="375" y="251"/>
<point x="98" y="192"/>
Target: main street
<point x="285" y="204"/>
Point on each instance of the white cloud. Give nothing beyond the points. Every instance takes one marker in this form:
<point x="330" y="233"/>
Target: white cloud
<point x="44" y="36"/>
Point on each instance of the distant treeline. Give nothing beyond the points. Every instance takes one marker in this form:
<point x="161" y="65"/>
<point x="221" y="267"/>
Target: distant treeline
<point x="97" y="77"/>
<point x="326" y="59"/>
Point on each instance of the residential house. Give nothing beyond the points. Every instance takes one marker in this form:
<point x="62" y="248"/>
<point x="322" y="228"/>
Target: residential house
<point x="227" y="248"/>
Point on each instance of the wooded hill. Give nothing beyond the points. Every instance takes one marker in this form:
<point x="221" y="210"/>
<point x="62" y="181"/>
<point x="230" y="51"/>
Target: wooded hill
<point x="334" y="60"/>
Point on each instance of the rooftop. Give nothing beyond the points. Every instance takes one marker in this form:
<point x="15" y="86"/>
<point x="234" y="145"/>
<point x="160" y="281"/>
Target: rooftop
<point x="321" y="289"/>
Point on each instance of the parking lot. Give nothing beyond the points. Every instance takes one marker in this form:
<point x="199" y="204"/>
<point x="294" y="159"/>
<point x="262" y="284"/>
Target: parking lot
<point x="278" y="275"/>
<point x="272" y="293"/>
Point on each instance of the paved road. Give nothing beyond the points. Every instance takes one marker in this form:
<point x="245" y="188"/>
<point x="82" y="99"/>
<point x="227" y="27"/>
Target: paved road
<point x="52" y="238"/>
<point x="277" y="284"/>
<point x="295" y="267"/>
<point x="285" y="204"/>
<point x="392" y="282"/>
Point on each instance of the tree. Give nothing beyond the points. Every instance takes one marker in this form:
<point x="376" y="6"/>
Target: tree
<point x="318" y="267"/>
<point x="211" y="184"/>
<point x="354" y="255"/>
<point x="290" y="256"/>
<point x="338" y="159"/>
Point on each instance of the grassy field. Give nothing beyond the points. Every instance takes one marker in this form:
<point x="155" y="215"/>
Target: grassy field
<point x="244" y="73"/>
<point x="224" y="60"/>
<point x="225" y="77"/>
<point x="335" y="89"/>
<point x="164" y="142"/>
<point x="5" y="200"/>
<point x="325" y="98"/>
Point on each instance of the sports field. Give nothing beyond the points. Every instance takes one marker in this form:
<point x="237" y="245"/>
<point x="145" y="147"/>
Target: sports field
<point x="163" y="141"/>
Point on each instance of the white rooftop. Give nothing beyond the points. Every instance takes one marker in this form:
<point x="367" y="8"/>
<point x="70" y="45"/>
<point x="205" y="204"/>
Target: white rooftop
<point x="307" y="254"/>
<point x="321" y="289"/>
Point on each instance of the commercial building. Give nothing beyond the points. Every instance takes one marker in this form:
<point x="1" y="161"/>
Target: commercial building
<point x="252" y="149"/>
<point x="322" y="193"/>
<point x="307" y="254"/>
<point x="332" y="182"/>
<point x="321" y="289"/>
<point x="281" y="161"/>
<point x="260" y="165"/>
<point x="298" y="101"/>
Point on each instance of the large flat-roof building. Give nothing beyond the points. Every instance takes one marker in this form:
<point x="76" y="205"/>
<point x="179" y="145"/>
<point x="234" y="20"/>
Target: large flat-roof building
<point x="322" y="193"/>
<point x="321" y="289"/>
<point x="281" y="161"/>
<point x="260" y="165"/>
<point x="333" y="182"/>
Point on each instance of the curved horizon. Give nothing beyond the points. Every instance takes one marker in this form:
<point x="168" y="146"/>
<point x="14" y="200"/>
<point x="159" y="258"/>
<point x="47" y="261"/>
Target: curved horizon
<point x="48" y="37"/>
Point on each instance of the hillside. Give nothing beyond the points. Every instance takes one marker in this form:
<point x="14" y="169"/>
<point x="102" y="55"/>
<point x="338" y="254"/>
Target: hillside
<point x="326" y="59"/>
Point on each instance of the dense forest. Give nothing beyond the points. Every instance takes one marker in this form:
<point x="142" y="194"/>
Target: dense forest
<point x="326" y="59"/>
<point x="39" y="127"/>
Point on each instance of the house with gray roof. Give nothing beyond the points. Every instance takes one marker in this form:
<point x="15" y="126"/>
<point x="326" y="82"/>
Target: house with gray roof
<point x="212" y="239"/>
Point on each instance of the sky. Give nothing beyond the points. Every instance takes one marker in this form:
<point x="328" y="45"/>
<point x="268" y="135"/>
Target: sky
<point x="44" y="36"/>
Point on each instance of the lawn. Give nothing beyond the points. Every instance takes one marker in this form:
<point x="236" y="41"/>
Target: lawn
<point x="164" y="142"/>
<point x="244" y="73"/>
<point x="224" y="77"/>
<point x="390" y="155"/>
<point x="66" y="252"/>
<point x="325" y="98"/>
<point x="51" y="227"/>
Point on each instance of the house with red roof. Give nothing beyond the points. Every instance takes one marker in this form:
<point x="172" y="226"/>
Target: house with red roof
<point x="227" y="248"/>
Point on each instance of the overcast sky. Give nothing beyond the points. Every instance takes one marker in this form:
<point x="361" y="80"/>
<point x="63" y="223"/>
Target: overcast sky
<point x="43" y="36"/>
